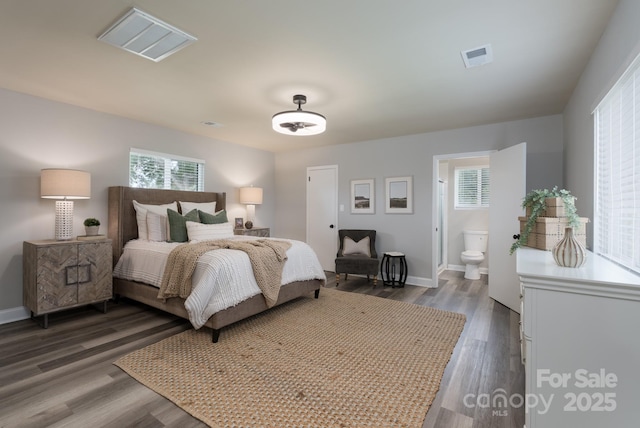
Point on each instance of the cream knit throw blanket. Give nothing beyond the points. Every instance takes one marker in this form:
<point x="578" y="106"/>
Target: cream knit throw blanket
<point x="267" y="260"/>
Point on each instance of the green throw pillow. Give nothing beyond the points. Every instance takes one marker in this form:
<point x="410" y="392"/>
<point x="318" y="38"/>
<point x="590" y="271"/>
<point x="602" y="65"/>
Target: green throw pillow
<point x="178" y="224"/>
<point x="217" y="218"/>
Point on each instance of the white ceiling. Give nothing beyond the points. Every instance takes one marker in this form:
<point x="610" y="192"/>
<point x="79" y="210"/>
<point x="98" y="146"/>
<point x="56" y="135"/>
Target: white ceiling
<point x="374" y="68"/>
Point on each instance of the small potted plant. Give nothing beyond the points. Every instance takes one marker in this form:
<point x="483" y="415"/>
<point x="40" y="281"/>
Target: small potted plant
<point x="535" y="202"/>
<point x="91" y="226"/>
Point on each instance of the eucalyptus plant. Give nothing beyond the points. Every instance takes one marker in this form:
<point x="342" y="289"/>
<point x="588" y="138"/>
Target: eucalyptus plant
<point x="536" y="203"/>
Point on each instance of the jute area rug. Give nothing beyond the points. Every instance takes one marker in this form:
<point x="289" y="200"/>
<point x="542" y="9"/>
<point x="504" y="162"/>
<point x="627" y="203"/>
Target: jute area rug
<point x="343" y="360"/>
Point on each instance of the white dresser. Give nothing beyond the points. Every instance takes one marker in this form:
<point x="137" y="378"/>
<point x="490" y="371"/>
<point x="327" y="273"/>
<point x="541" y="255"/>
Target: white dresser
<point x="580" y="331"/>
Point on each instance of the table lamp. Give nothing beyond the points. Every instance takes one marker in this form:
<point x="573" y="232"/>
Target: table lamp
<point x="64" y="185"/>
<point x="250" y="196"/>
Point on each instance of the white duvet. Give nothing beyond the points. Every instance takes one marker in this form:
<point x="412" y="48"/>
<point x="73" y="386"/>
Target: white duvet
<point x="222" y="279"/>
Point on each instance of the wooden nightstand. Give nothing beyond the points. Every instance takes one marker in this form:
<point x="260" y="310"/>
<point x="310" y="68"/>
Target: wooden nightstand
<point x="60" y="275"/>
<point x="263" y="232"/>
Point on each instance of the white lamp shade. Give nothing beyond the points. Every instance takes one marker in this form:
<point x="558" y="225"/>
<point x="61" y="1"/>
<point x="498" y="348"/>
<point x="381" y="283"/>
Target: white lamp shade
<point x="251" y="195"/>
<point x="65" y="184"/>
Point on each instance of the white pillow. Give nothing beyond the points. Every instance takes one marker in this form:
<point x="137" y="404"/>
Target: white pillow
<point x="208" y="207"/>
<point x="156" y="227"/>
<point x="350" y="247"/>
<point x="204" y="232"/>
<point x="141" y="215"/>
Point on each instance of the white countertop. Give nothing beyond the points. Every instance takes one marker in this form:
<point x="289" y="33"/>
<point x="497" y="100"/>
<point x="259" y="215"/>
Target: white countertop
<point x="534" y="263"/>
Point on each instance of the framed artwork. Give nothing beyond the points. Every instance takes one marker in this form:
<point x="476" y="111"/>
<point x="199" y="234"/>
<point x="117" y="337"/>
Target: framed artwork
<point x="239" y="221"/>
<point x="398" y="195"/>
<point x="363" y="196"/>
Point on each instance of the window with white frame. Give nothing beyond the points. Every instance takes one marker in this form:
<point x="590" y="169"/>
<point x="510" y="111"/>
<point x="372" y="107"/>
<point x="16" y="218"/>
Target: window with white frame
<point x="617" y="172"/>
<point x="471" y="187"/>
<point x="152" y="170"/>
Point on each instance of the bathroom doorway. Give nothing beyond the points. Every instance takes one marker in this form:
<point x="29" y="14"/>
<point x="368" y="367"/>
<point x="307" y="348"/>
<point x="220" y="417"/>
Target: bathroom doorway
<point x="449" y="223"/>
<point x="508" y="167"/>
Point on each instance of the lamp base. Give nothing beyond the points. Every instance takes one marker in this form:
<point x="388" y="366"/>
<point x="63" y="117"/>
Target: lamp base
<point x="251" y="216"/>
<point x="64" y="220"/>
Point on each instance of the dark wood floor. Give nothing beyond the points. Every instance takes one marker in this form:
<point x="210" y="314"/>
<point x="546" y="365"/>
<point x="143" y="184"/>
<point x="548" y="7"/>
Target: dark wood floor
<point x="64" y="377"/>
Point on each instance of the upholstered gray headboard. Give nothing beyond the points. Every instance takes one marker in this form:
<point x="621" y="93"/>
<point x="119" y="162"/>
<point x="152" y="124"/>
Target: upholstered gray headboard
<point x="122" y="217"/>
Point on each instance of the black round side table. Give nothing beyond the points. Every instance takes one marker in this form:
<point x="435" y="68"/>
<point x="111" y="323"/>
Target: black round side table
<point x="393" y="263"/>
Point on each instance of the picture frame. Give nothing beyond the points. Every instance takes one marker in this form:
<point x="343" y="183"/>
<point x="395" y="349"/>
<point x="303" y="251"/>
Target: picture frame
<point x="399" y="195"/>
<point x="239" y="223"/>
<point x="363" y="200"/>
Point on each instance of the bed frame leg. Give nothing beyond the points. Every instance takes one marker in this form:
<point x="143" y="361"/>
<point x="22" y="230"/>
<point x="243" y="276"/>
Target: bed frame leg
<point x="317" y="293"/>
<point x="215" y="335"/>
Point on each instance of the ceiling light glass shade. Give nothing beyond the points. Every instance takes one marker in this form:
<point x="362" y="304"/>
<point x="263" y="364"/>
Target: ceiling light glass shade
<point x="309" y="123"/>
<point x="298" y="122"/>
<point x="251" y="195"/>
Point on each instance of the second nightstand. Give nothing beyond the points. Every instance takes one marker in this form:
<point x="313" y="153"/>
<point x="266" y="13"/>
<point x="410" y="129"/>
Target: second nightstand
<point x="263" y="232"/>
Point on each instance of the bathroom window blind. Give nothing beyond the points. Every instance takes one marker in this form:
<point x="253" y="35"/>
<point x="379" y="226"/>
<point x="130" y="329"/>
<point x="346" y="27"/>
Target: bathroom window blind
<point x="617" y="164"/>
<point x="472" y="187"/>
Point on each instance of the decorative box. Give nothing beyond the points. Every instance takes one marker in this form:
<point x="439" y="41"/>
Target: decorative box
<point x="548" y="231"/>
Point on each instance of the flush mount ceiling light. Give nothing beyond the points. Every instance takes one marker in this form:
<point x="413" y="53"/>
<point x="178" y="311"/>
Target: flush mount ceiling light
<point x="147" y="36"/>
<point x="298" y="122"/>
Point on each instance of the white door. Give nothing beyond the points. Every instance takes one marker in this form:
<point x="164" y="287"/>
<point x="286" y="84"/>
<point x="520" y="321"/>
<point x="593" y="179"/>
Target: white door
<point x="322" y="213"/>
<point x="508" y="187"/>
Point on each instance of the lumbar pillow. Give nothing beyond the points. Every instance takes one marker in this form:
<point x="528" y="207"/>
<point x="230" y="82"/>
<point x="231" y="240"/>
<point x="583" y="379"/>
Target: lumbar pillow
<point x="178" y="224"/>
<point x="219" y="217"/>
<point x="156" y="227"/>
<point x="203" y="232"/>
<point x="208" y="207"/>
<point x="141" y="215"/>
<point x="350" y="247"/>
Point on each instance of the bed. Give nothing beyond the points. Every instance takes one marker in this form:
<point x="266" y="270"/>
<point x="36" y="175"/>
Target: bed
<point x="123" y="227"/>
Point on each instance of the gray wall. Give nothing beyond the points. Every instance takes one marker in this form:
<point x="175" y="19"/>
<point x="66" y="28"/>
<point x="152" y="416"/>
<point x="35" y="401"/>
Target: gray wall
<point x="410" y="155"/>
<point x="36" y="133"/>
<point x="617" y="48"/>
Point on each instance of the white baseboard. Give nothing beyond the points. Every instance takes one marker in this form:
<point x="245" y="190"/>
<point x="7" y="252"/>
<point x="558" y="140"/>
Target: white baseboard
<point x="462" y="268"/>
<point x="411" y="280"/>
<point x="420" y="282"/>
<point x="14" y="314"/>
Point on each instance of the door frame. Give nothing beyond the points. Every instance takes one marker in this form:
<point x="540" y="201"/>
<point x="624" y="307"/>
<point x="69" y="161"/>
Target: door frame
<point x="444" y="211"/>
<point x="435" y="206"/>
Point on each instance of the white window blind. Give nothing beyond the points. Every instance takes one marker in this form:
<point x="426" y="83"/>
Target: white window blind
<point x="472" y="187"/>
<point x="152" y="170"/>
<point x="617" y="205"/>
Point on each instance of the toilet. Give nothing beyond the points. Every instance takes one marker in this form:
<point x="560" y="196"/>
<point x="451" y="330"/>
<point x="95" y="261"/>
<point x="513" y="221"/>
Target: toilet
<point x="475" y="245"/>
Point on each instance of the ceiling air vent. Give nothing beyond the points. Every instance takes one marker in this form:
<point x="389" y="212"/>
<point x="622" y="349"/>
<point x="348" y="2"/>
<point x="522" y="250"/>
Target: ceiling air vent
<point x="477" y="56"/>
<point x="147" y="36"/>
